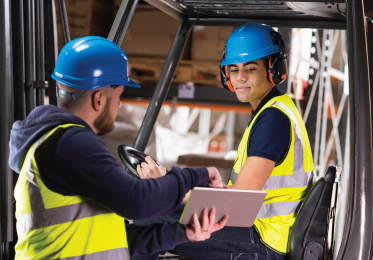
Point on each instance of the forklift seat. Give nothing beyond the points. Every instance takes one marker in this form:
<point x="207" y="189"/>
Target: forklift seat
<point x="312" y="235"/>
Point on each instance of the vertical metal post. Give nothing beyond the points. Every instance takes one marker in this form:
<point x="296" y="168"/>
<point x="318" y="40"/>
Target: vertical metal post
<point x="163" y="84"/>
<point x="325" y="60"/>
<point x="204" y="122"/>
<point x="311" y="93"/>
<point x="6" y="121"/>
<point x="316" y="154"/>
<point x="229" y="133"/>
<point x="122" y="21"/>
<point x="358" y="229"/>
<point x="18" y="60"/>
<point x="51" y="47"/>
<point x="369" y="31"/>
<point x="39" y="52"/>
<point x="64" y="21"/>
<point x="30" y="54"/>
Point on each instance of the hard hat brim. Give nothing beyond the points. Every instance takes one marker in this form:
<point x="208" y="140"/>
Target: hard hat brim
<point x="246" y="57"/>
<point x="132" y="84"/>
<point x="235" y="53"/>
<point x="94" y="83"/>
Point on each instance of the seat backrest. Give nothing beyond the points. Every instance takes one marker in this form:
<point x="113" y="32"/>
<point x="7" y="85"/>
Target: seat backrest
<point x="312" y="235"/>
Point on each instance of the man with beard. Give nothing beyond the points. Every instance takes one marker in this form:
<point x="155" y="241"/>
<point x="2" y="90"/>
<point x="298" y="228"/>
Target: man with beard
<point x="72" y="195"/>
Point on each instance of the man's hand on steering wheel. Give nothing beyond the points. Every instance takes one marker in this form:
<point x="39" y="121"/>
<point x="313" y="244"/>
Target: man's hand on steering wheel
<point x="150" y="169"/>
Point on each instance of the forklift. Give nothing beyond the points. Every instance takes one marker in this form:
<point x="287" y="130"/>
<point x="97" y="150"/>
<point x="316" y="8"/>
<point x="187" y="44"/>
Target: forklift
<point x="24" y="59"/>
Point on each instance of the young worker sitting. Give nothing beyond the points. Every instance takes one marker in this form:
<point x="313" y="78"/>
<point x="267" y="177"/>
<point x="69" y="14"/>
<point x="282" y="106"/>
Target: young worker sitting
<point x="274" y="153"/>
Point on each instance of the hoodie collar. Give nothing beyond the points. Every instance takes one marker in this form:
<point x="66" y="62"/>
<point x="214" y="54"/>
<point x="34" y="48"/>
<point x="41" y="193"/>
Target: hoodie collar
<point x="26" y="132"/>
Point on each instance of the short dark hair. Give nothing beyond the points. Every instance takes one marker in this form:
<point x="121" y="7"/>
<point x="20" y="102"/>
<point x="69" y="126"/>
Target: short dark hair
<point x="66" y="103"/>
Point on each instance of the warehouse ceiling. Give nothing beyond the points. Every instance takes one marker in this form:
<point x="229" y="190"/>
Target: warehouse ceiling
<point x="331" y="13"/>
<point x="316" y="10"/>
<point x="262" y="9"/>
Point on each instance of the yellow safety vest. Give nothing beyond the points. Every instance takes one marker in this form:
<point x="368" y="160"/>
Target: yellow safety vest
<point x="289" y="182"/>
<point x="53" y="226"/>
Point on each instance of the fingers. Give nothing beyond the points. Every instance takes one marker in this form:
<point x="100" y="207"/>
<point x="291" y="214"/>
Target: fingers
<point x="186" y="197"/>
<point x="146" y="166"/>
<point x="150" y="161"/>
<point x="162" y="168"/>
<point x="220" y="224"/>
<point x="197" y="227"/>
<point x="140" y="172"/>
<point x="212" y="219"/>
<point x="205" y="221"/>
<point x="150" y="171"/>
<point x="196" y="232"/>
<point x="214" y="177"/>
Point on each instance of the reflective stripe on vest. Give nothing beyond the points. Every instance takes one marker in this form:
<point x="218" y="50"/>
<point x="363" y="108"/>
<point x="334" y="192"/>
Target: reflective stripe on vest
<point x="289" y="181"/>
<point x="53" y="226"/>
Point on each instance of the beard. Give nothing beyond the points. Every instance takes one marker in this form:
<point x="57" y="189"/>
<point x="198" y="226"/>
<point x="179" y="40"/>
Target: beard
<point x="104" y="123"/>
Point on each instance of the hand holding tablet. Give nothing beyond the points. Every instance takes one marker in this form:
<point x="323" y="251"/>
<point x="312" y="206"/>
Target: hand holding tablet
<point x="200" y="231"/>
<point x="242" y="206"/>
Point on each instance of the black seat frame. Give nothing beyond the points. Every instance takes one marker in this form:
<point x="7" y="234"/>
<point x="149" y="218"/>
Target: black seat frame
<point x="312" y="235"/>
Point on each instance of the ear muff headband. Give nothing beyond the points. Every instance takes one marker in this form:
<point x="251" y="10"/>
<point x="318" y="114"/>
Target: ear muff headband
<point x="224" y="72"/>
<point x="277" y="71"/>
<point x="229" y="84"/>
<point x="269" y="69"/>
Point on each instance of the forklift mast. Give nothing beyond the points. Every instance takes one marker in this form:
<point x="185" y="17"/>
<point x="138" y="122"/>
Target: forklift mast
<point x="26" y="25"/>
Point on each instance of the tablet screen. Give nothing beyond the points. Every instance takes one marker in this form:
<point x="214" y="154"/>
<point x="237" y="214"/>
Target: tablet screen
<point x="242" y="206"/>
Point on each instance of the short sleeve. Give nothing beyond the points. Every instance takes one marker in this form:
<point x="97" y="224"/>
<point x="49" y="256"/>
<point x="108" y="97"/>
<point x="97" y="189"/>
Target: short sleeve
<point x="270" y="135"/>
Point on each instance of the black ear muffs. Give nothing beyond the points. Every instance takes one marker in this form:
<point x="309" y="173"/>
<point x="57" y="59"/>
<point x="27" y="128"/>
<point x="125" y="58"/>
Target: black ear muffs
<point x="277" y="68"/>
<point x="224" y="78"/>
<point x="224" y="73"/>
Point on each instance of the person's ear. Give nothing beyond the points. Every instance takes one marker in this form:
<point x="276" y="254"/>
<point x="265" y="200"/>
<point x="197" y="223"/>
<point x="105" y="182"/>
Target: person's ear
<point x="98" y="101"/>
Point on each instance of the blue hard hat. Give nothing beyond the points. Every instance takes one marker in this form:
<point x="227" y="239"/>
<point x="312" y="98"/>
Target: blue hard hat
<point x="92" y="62"/>
<point x="249" y="42"/>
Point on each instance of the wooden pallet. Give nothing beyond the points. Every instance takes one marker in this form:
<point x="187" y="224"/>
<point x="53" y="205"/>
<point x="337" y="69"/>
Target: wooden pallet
<point x="200" y="72"/>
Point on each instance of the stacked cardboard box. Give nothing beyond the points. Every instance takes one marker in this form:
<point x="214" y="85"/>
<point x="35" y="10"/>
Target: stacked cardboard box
<point x="85" y="17"/>
<point x="209" y="41"/>
<point x="151" y="33"/>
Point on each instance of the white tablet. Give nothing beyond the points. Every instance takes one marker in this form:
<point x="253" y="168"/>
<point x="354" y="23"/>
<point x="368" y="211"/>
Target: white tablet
<point x="242" y="206"/>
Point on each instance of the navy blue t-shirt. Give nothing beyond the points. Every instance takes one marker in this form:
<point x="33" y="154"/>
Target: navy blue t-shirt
<point x="270" y="135"/>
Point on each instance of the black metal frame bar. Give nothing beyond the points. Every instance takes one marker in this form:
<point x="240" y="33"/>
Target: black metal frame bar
<point x="51" y="47"/>
<point x="250" y="2"/>
<point x="358" y="228"/>
<point x="326" y="24"/>
<point x="369" y="31"/>
<point x="6" y="121"/>
<point x="18" y="59"/>
<point x="163" y="83"/>
<point x="29" y="54"/>
<point x="39" y="51"/>
<point x="174" y="10"/>
<point x="122" y="21"/>
<point x="64" y="21"/>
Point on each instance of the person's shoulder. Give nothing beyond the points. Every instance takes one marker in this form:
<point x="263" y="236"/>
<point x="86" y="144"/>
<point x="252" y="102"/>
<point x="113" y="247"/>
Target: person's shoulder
<point x="273" y="115"/>
<point x="79" y="138"/>
<point x="79" y="132"/>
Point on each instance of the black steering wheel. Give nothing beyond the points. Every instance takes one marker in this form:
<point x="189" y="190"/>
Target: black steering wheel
<point x="131" y="157"/>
